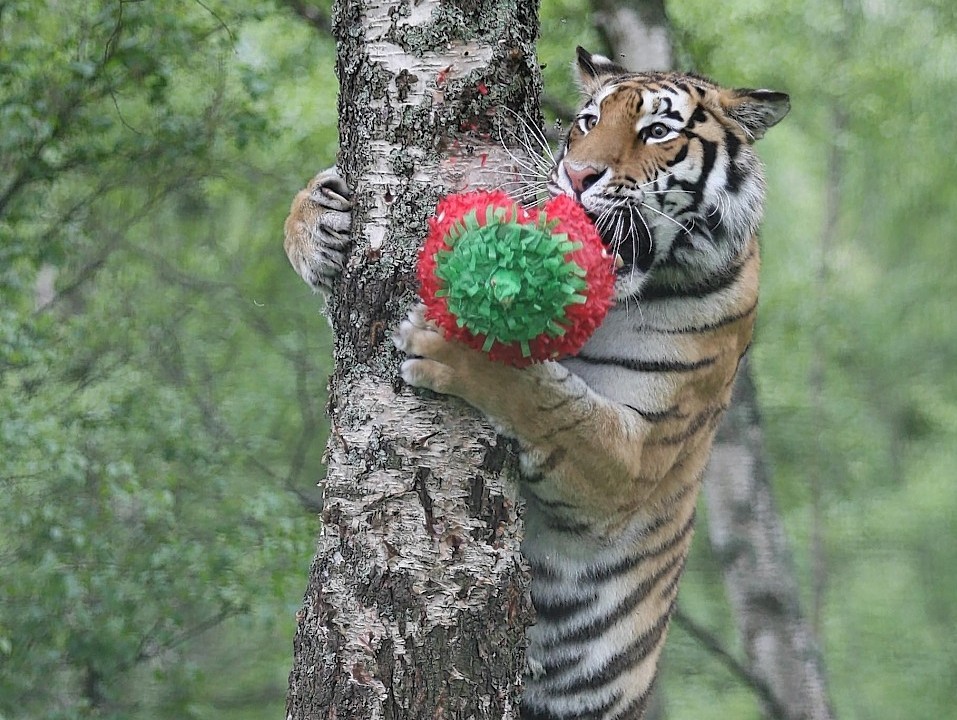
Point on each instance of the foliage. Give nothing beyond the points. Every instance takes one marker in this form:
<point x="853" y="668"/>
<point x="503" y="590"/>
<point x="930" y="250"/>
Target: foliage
<point x="159" y="406"/>
<point x="162" y="371"/>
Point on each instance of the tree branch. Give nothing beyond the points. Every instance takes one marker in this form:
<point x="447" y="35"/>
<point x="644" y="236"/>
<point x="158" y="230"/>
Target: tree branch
<point x="148" y="653"/>
<point x="311" y="14"/>
<point x="710" y="642"/>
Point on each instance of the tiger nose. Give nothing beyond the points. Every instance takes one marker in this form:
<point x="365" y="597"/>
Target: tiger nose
<point x="583" y="178"/>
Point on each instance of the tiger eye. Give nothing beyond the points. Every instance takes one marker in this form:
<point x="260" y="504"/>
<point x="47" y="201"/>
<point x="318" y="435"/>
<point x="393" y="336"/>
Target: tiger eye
<point x="587" y="122"/>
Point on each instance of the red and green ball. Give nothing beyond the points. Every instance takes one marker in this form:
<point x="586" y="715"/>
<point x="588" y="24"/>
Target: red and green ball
<point x="522" y="285"/>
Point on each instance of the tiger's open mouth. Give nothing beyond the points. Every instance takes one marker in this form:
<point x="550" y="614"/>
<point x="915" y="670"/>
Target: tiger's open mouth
<point x="629" y="243"/>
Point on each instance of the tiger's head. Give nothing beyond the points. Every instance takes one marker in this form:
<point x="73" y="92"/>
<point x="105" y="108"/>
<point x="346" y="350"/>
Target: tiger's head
<point x="664" y="165"/>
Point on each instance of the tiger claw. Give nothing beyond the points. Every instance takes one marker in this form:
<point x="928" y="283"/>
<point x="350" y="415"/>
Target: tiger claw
<point x="317" y="231"/>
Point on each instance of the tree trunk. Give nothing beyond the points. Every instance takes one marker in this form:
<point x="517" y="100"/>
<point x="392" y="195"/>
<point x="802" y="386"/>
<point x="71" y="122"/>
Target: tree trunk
<point x="417" y="598"/>
<point x="748" y="538"/>
<point x="638" y="32"/>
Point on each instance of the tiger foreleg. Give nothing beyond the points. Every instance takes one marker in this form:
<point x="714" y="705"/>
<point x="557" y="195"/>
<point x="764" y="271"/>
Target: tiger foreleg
<point x="591" y="444"/>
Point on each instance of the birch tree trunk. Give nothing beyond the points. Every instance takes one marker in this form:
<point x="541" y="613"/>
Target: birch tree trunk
<point x="417" y="598"/>
<point x="638" y="31"/>
<point x="748" y="539"/>
<point x="744" y="527"/>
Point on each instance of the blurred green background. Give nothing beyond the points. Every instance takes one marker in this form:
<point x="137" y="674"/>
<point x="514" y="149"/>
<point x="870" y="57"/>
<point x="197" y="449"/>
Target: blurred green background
<point x="162" y="370"/>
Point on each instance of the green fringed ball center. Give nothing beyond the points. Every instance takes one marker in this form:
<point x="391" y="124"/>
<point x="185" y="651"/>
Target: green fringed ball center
<point x="507" y="281"/>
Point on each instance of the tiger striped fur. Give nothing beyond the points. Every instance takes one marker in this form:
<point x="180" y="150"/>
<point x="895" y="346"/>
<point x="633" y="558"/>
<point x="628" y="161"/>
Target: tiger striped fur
<point x="614" y="441"/>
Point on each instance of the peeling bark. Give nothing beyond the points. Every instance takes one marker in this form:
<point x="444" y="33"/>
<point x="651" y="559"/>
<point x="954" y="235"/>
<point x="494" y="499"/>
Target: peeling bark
<point x="417" y="599"/>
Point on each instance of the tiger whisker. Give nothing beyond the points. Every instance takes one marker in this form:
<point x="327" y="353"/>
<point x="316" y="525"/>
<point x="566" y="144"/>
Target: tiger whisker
<point x="530" y="127"/>
<point x="513" y="179"/>
<point x="651" y="238"/>
<point x="655" y="179"/>
<point x="519" y="176"/>
<point x="524" y="164"/>
<point x="685" y="229"/>
<point x="533" y="162"/>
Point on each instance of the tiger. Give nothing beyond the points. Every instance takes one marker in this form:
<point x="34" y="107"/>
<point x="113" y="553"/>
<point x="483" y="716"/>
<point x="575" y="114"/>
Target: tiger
<point x="613" y="441"/>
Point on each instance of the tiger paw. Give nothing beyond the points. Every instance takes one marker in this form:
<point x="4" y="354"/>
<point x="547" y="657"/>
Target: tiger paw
<point x="317" y="230"/>
<point x="436" y="363"/>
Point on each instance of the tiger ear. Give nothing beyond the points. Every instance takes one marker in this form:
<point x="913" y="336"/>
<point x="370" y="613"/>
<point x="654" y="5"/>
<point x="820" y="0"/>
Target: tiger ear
<point x="756" y="110"/>
<point x="594" y="70"/>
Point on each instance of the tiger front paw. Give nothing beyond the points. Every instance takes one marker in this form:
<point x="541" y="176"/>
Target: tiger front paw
<point x="437" y="364"/>
<point x="317" y="229"/>
<point x="429" y="366"/>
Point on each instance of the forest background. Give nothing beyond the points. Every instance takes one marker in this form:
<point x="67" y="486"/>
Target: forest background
<point x="162" y="370"/>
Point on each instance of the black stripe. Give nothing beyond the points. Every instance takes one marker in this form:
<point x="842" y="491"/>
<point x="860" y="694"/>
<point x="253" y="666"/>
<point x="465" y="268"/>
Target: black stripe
<point x="652" y="528"/>
<point x="672" y="585"/>
<point x="697" y="424"/>
<point x="686" y="488"/>
<point x="630" y="562"/>
<point x="623" y="661"/>
<point x="566" y="525"/>
<point x="597" y="712"/>
<point x="537" y="713"/>
<point x="560" y="429"/>
<point x="635" y="710"/>
<point x="715" y="283"/>
<point x="559" y="609"/>
<point x="649" y="366"/>
<point x="562" y="403"/>
<point x="698" y="116"/>
<point x="625" y="607"/>
<point x="735" y="173"/>
<point x="558" y="667"/>
<point x="709" y="152"/>
<point x="632" y="505"/>
<point x="707" y="327"/>
<point x="656" y="416"/>
<point x="551" y="504"/>
<point x="681" y="155"/>
<point x="714" y="222"/>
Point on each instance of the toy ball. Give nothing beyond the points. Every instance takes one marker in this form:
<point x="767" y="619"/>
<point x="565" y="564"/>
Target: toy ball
<point x="523" y="285"/>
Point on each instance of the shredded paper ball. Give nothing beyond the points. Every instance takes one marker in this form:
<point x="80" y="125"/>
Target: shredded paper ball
<point x="521" y="285"/>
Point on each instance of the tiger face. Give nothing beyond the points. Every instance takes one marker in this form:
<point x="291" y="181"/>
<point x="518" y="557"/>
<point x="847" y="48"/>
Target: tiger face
<point x="664" y="165"/>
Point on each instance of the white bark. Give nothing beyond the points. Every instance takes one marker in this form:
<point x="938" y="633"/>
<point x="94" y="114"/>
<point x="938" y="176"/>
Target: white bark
<point x="417" y="599"/>
<point x="638" y="31"/>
